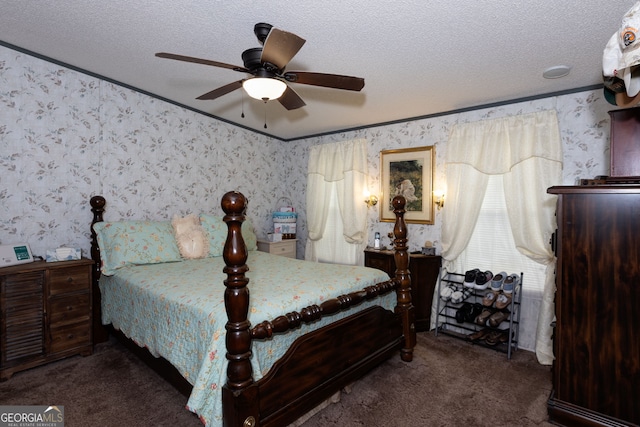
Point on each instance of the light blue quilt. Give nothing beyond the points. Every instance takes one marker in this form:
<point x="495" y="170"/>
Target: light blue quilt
<point x="176" y="310"/>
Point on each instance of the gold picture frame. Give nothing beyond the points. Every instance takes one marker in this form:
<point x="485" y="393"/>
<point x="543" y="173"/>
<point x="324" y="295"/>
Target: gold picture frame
<point x="408" y="172"/>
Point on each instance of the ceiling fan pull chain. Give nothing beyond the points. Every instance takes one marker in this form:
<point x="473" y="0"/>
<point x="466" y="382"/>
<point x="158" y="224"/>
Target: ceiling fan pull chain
<point x="242" y="104"/>
<point x="265" y="114"/>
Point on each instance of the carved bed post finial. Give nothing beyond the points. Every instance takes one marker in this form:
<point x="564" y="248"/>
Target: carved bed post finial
<point x="97" y="207"/>
<point x="401" y="256"/>
<point x="236" y="302"/>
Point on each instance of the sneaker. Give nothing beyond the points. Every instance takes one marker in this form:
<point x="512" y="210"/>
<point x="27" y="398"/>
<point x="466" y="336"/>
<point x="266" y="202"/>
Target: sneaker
<point x="482" y="280"/>
<point x="470" y="277"/>
<point x="510" y="283"/>
<point x="497" y="281"/>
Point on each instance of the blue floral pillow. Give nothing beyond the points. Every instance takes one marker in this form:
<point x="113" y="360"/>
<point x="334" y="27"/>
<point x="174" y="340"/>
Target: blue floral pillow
<point x="134" y="243"/>
<point x="216" y="229"/>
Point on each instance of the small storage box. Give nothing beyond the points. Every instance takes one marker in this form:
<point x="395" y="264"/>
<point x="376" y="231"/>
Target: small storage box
<point x="287" y="229"/>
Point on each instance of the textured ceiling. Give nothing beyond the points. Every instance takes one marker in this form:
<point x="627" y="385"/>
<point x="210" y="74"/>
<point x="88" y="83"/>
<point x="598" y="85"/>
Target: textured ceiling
<point x="418" y="58"/>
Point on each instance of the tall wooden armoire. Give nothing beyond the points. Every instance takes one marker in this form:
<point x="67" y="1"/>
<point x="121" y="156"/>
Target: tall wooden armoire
<point x="596" y="372"/>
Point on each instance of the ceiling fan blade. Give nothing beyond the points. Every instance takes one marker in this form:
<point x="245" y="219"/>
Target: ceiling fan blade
<point x="335" y="81"/>
<point x="223" y="90"/>
<point x="200" y="61"/>
<point x="291" y="100"/>
<point x="280" y="47"/>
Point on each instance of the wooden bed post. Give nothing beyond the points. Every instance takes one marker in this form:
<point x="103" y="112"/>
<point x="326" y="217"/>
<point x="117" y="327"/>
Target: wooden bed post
<point x="100" y="332"/>
<point x="404" y="308"/>
<point x="238" y="408"/>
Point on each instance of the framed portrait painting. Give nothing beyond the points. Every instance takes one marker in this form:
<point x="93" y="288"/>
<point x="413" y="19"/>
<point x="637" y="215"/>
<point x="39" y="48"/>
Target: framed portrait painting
<point x="408" y="172"/>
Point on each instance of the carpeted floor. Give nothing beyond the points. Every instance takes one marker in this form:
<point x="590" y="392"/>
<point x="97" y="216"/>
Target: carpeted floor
<point x="449" y="383"/>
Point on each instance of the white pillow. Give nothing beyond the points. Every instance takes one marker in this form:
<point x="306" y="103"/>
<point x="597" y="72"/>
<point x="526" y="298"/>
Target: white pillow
<point x="190" y="237"/>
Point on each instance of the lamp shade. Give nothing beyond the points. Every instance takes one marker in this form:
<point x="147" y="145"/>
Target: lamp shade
<point x="264" y="88"/>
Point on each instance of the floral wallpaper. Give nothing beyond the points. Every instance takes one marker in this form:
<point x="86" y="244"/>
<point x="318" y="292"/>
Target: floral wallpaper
<point x="67" y="136"/>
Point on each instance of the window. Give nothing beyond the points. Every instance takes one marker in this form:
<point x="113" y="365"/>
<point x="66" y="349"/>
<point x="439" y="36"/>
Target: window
<point x="491" y="246"/>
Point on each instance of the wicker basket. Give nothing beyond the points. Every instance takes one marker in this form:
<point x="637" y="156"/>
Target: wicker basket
<point x="285" y="217"/>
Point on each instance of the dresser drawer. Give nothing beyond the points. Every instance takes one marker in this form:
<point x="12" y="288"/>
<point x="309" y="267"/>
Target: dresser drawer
<point x="380" y="264"/>
<point x="69" y="309"/>
<point x="70" y="336"/>
<point x="69" y="279"/>
<point x="286" y="248"/>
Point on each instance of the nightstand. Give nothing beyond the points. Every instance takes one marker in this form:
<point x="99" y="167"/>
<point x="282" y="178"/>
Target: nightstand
<point x="45" y="313"/>
<point x="424" y="270"/>
<point x="285" y="247"/>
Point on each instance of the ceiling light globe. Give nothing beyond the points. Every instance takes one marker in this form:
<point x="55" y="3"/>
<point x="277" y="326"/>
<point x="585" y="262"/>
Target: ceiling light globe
<point x="263" y="88"/>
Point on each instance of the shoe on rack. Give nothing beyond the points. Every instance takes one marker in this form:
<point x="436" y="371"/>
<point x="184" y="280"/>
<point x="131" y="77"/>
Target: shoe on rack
<point x="503" y="301"/>
<point x="463" y="312"/>
<point x="497" y="281"/>
<point x="510" y="283"/>
<point x="482" y="318"/>
<point x="504" y="336"/>
<point x="445" y="293"/>
<point x="470" y="277"/>
<point x="476" y="309"/>
<point x="478" y="335"/>
<point x="460" y="295"/>
<point x="482" y="280"/>
<point x="494" y="337"/>
<point x="489" y="298"/>
<point x="498" y="317"/>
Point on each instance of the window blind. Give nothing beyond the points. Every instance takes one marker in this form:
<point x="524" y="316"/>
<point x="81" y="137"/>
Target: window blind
<point x="492" y="247"/>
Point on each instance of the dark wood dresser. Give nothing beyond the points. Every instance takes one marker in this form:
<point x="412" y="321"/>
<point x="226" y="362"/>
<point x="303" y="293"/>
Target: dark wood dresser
<point x="45" y="313"/>
<point x="596" y="372"/>
<point x="424" y="270"/>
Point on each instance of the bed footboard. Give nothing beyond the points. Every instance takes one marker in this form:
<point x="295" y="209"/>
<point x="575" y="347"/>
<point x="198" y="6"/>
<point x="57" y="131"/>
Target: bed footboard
<point x="319" y="363"/>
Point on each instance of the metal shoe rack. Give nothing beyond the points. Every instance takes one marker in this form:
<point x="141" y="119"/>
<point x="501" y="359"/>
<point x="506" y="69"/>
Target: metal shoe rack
<point x="447" y="324"/>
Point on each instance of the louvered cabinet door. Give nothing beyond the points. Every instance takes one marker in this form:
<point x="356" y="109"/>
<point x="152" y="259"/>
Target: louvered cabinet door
<point x="45" y="313"/>
<point x="22" y="328"/>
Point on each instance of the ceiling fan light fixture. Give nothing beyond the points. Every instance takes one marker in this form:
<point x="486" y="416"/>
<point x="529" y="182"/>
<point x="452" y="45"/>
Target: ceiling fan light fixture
<point x="264" y="88"/>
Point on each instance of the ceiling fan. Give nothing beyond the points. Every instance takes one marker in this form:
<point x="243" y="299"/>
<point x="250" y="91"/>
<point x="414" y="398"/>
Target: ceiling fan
<point x="267" y="66"/>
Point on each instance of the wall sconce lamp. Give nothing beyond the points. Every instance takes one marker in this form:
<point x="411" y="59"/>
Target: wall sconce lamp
<point x="370" y="199"/>
<point x="438" y="198"/>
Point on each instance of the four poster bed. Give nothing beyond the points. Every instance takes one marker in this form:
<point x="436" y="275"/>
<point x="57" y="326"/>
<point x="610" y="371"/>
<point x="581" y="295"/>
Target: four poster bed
<point x="327" y="325"/>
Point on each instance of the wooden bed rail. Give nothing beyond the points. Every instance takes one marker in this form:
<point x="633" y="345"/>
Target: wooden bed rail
<point x="315" y="312"/>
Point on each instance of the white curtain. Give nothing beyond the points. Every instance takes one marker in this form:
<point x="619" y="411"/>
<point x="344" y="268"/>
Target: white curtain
<point x="336" y="212"/>
<point x="527" y="151"/>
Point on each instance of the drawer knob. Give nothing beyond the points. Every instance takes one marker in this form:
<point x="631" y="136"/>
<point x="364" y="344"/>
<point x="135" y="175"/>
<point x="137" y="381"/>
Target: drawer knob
<point x="69" y="279"/>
